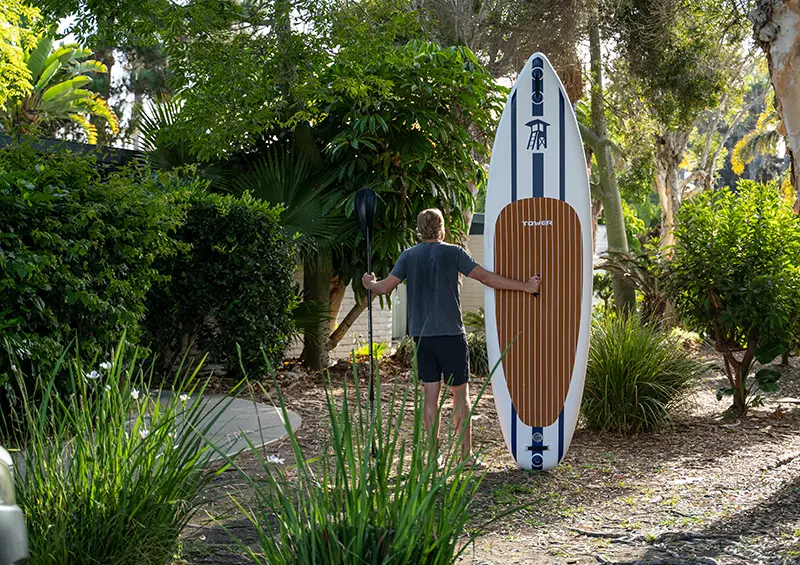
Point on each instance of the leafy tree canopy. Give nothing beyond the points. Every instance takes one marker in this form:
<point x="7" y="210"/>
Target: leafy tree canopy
<point x="371" y="102"/>
<point x="140" y="22"/>
<point x="17" y="34"/>
<point x="674" y="48"/>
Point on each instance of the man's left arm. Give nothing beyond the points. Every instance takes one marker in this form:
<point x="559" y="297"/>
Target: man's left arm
<point x="385" y="286"/>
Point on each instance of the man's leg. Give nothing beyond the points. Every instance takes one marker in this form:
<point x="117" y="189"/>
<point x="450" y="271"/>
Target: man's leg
<point x="431" y="413"/>
<point x="429" y="372"/>
<point x="462" y="421"/>
<point x="453" y="356"/>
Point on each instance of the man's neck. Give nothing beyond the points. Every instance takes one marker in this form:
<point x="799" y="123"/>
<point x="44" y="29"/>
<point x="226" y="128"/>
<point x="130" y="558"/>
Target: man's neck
<point x="437" y="240"/>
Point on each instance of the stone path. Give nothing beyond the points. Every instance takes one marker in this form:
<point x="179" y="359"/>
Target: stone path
<point x="261" y="423"/>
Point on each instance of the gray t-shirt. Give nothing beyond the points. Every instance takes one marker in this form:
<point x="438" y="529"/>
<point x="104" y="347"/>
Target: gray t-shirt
<point x="434" y="304"/>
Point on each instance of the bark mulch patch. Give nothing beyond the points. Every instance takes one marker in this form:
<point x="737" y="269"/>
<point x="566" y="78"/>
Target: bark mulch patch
<point x="708" y="490"/>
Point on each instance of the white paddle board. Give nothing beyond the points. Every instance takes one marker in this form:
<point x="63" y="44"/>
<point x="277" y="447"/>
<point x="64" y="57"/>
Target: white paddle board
<point x="538" y="221"/>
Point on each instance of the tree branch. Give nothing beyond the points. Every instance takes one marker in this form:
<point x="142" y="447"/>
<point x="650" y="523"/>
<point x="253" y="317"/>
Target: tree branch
<point x="589" y="136"/>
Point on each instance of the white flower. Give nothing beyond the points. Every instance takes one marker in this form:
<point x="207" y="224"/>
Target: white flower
<point x="135" y="394"/>
<point x="143" y="433"/>
<point x="105" y="365"/>
<point x="94" y="375"/>
<point x="184" y="397"/>
<point x="171" y="434"/>
<point x="13" y="367"/>
<point x="275" y="459"/>
<point x="108" y="388"/>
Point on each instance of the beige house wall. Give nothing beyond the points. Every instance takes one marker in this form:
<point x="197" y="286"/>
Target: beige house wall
<point x="472" y="290"/>
<point x="358" y="334"/>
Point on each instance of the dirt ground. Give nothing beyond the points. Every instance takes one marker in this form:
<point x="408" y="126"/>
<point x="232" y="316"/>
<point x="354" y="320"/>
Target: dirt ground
<point x="708" y="490"/>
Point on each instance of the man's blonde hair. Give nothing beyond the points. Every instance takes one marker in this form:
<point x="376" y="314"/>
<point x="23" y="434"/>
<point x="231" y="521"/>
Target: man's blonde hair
<point x="430" y="223"/>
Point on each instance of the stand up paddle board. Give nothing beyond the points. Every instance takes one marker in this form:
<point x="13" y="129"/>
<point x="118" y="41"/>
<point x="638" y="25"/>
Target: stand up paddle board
<point x="538" y="221"/>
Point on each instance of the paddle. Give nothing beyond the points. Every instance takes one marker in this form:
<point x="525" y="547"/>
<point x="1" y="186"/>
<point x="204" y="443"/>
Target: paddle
<point x="366" y="202"/>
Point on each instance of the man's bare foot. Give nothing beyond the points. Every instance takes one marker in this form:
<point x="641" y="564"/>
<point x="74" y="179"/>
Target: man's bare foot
<point x="475" y="464"/>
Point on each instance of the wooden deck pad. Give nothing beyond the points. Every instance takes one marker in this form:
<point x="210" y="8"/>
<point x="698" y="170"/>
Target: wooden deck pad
<point x="539" y="236"/>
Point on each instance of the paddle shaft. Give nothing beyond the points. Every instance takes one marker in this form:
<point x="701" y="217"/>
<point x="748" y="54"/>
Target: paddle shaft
<point x="369" y="331"/>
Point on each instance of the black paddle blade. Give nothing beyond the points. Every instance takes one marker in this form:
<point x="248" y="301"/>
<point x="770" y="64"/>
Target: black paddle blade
<point x="366" y="203"/>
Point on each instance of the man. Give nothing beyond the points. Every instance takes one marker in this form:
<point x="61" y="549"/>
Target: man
<point x="434" y="318"/>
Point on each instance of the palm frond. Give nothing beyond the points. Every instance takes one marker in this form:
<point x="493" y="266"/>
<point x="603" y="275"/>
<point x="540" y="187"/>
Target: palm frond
<point x="91" y="66"/>
<point x="753" y="144"/>
<point x="36" y="59"/>
<point x="65" y="88"/>
<point x="285" y="179"/>
<point x="642" y="271"/>
<point x="48" y="73"/>
<point x="65" y="54"/>
<point x="88" y="127"/>
<point x="761" y="140"/>
<point x="97" y="106"/>
<point x="165" y="149"/>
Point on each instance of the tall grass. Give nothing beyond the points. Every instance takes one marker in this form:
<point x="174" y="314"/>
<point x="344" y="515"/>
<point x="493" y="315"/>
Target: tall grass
<point x="637" y="373"/>
<point x="375" y="494"/>
<point x="108" y="473"/>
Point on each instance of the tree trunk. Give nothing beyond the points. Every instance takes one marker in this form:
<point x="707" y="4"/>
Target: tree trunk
<point x="670" y="146"/>
<point x="624" y="293"/>
<point x="597" y="211"/>
<point x="317" y="288"/>
<point x="337" y="292"/>
<point x="738" y="370"/>
<point x="776" y="27"/>
<point x="570" y="70"/>
<point x="348" y="321"/>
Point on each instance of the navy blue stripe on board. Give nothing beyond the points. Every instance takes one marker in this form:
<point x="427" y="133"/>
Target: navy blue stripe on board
<point x="562" y="194"/>
<point x="561" y="147"/>
<point x="513" y="199"/>
<point x="538" y="107"/>
<point x="537" y="166"/>
<point x="538" y="175"/>
<point x="513" y="431"/>
<point x="537" y="170"/>
<point x="514" y="147"/>
<point x="537" y="439"/>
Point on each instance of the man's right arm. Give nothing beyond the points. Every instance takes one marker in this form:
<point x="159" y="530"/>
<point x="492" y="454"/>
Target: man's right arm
<point x="499" y="282"/>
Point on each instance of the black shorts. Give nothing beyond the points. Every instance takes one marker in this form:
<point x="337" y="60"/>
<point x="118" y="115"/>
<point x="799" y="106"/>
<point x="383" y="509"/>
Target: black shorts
<point x="448" y="354"/>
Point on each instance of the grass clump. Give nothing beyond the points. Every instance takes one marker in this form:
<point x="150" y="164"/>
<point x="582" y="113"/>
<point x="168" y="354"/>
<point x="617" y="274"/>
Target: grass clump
<point x="636" y="374"/>
<point x="107" y="472"/>
<point x="372" y="497"/>
<point x="478" y="354"/>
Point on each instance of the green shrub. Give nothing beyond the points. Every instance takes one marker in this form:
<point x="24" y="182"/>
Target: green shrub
<point x="108" y="473"/>
<point x="405" y="350"/>
<point x="478" y="354"/>
<point x="77" y="253"/>
<point x="735" y="277"/>
<point x="232" y="285"/>
<point x="372" y="496"/>
<point x="636" y="374"/>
